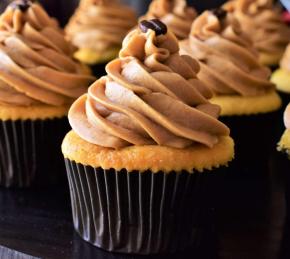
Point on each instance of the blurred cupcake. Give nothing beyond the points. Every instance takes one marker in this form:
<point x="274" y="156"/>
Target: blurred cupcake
<point x="281" y="77"/>
<point x="284" y="144"/>
<point x="175" y="14"/>
<point x="264" y="24"/>
<point x="97" y="29"/>
<point x="144" y="146"/>
<point x="230" y="67"/>
<point x="38" y="81"/>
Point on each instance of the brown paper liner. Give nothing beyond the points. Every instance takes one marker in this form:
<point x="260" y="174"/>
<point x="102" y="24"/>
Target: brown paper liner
<point x="30" y="151"/>
<point x="141" y="213"/>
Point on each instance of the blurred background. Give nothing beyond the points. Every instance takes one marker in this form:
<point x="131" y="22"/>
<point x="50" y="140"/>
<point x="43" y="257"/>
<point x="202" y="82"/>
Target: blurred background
<point x="63" y="9"/>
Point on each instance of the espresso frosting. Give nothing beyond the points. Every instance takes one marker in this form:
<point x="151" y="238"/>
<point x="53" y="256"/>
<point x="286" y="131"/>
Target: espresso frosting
<point x="229" y="63"/>
<point x="285" y="61"/>
<point x="262" y="23"/>
<point x="100" y="24"/>
<point x="150" y="96"/>
<point x="35" y="59"/>
<point x="175" y="14"/>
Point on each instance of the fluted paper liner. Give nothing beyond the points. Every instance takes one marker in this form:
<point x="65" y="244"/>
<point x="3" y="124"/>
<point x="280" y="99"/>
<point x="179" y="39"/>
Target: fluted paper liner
<point x="30" y="151"/>
<point x="141" y="213"/>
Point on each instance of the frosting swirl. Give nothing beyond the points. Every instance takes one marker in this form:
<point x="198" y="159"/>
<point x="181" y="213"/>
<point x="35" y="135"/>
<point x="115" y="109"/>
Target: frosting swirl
<point x="100" y="24"/>
<point x="175" y="14"/>
<point x="285" y="61"/>
<point x="229" y="63"/>
<point x="150" y="96"/>
<point x="35" y="60"/>
<point x="262" y="23"/>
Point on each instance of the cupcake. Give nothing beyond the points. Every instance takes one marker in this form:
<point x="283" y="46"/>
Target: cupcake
<point x="264" y="25"/>
<point x="38" y="82"/>
<point x="175" y="14"/>
<point x="230" y="68"/>
<point x="284" y="144"/>
<point x="281" y="77"/>
<point x="144" y="147"/>
<point x="97" y="29"/>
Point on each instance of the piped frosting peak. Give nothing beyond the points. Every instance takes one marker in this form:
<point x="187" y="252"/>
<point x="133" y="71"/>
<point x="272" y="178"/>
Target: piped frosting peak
<point x="150" y="96"/>
<point x="36" y="64"/>
<point x="229" y="62"/>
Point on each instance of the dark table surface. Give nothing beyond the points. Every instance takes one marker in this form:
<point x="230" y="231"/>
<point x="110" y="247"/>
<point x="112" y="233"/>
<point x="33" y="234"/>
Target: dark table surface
<point x="249" y="222"/>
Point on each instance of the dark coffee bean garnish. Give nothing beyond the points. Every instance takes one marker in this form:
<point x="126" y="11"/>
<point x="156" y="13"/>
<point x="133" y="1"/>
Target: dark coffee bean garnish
<point x="155" y="25"/>
<point x="220" y="13"/>
<point x="22" y="5"/>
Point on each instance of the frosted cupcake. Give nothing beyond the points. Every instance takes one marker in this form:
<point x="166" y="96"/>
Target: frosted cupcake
<point x="176" y="14"/>
<point x="230" y="67"/>
<point x="38" y="81"/>
<point x="264" y="25"/>
<point x="281" y="77"/>
<point x="145" y="142"/>
<point x="97" y="29"/>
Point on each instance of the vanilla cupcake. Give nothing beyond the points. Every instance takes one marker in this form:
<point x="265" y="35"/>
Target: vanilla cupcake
<point x="230" y="68"/>
<point x="264" y="25"/>
<point x="97" y="29"/>
<point x="144" y="145"/>
<point x="176" y="14"/>
<point x="38" y="81"/>
<point x="281" y="77"/>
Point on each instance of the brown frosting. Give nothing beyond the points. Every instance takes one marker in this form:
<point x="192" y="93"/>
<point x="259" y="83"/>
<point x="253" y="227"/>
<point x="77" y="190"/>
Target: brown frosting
<point x="229" y="63"/>
<point x="263" y="23"/>
<point x="175" y="14"/>
<point x="285" y="61"/>
<point x="100" y="24"/>
<point x="151" y="95"/>
<point x="35" y="59"/>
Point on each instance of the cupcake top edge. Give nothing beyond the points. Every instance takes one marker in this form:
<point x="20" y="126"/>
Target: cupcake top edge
<point x="177" y="15"/>
<point x="100" y="25"/>
<point x="150" y="96"/>
<point x="36" y="64"/>
<point x="229" y="62"/>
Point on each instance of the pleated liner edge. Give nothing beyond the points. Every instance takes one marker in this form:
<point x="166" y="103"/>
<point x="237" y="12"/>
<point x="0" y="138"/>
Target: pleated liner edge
<point x="141" y="213"/>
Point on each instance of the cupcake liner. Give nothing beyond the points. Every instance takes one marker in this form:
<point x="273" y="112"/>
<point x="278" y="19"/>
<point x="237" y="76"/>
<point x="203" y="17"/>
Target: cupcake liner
<point x="30" y="151"/>
<point x="141" y="213"/>
<point x="255" y="139"/>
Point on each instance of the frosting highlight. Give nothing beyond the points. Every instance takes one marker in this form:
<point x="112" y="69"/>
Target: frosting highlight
<point x="175" y="14"/>
<point x="150" y="96"/>
<point x="229" y="63"/>
<point x="36" y="64"/>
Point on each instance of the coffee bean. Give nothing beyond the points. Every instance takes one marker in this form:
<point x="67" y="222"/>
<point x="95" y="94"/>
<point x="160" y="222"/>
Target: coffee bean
<point x="155" y="25"/>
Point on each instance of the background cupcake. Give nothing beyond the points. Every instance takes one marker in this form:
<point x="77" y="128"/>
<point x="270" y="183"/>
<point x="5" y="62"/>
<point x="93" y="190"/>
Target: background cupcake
<point x="97" y="28"/>
<point x="176" y="14"/>
<point x="284" y="144"/>
<point x="144" y="146"/>
<point x="264" y="25"/>
<point x="281" y="77"/>
<point x="38" y="80"/>
<point x="230" y="67"/>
